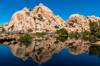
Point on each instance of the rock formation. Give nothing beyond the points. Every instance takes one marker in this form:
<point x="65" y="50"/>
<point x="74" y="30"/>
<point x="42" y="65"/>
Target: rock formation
<point x="79" y="23"/>
<point x="40" y="19"/>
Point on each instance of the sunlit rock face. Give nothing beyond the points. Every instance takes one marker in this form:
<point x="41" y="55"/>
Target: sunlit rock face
<point x="79" y="23"/>
<point x="42" y="48"/>
<point x="40" y="19"/>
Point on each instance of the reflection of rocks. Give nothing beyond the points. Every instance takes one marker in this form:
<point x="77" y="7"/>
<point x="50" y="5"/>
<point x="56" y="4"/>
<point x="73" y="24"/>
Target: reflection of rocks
<point x="94" y="50"/>
<point x="8" y="39"/>
<point x="42" y="50"/>
<point x="77" y="46"/>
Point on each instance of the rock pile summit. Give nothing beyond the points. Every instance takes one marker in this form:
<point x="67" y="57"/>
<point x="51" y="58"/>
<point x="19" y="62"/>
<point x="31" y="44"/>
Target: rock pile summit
<point x="40" y="19"/>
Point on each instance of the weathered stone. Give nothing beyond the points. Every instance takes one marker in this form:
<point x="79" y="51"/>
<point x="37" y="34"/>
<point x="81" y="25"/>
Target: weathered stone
<point x="79" y="23"/>
<point x="40" y="19"/>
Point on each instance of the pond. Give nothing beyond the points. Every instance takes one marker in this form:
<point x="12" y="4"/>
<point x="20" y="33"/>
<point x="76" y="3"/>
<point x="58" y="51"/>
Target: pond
<point x="62" y="58"/>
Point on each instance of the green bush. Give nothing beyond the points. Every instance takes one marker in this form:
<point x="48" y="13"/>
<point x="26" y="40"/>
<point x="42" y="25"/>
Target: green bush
<point x="63" y="34"/>
<point x="74" y="35"/>
<point x="92" y="38"/>
<point x="25" y="38"/>
<point x="86" y="35"/>
<point x="97" y="34"/>
<point x="93" y="27"/>
<point x="95" y="30"/>
<point x="62" y="31"/>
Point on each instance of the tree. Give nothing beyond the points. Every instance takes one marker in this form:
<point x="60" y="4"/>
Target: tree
<point x="88" y="36"/>
<point x="93" y="27"/>
<point x="97" y="34"/>
<point x="63" y="34"/>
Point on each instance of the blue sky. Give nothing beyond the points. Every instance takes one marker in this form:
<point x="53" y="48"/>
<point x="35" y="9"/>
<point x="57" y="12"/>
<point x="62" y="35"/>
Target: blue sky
<point x="63" y="8"/>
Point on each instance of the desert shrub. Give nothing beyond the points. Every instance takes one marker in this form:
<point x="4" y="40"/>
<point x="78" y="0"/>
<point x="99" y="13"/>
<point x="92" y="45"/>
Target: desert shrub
<point x="63" y="34"/>
<point x="25" y="38"/>
<point x="74" y="35"/>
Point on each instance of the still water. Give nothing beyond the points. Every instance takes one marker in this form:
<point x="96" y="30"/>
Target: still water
<point x="63" y="58"/>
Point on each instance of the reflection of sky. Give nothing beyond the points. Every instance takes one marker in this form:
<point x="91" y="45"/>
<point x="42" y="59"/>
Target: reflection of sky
<point x="63" y="58"/>
<point x="61" y="7"/>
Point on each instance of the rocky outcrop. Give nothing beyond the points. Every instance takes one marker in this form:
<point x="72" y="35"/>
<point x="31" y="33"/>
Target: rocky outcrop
<point x="79" y="23"/>
<point x="40" y="19"/>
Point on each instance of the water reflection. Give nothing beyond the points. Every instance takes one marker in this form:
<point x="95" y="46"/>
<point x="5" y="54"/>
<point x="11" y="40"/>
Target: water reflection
<point x="43" y="48"/>
<point x="94" y="50"/>
<point x="63" y="58"/>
